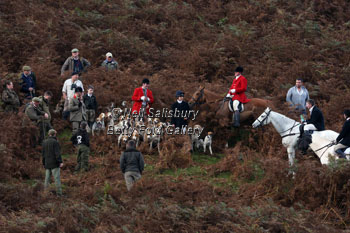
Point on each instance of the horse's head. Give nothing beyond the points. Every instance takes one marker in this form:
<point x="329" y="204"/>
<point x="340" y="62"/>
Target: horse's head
<point x="263" y="119"/>
<point x="198" y="97"/>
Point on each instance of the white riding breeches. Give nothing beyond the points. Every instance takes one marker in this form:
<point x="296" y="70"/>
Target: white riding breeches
<point x="310" y="127"/>
<point x="235" y="105"/>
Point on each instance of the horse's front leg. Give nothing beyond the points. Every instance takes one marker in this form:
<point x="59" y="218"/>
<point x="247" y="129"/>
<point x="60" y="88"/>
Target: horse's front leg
<point x="291" y="155"/>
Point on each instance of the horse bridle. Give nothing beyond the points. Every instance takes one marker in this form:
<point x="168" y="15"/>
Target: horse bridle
<point x="290" y="129"/>
<point x="265" y="119"/>
<point x="196" y="101"/>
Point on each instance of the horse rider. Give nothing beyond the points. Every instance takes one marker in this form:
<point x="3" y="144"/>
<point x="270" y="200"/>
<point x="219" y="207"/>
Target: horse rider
<point x="316" y="121"/>
<point x="237" y="93"/>
<point x="343" y="140"/>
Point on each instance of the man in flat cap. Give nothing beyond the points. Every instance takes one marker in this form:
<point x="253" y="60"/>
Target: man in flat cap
<point x="110" y="63"/>
<point x="38" y="116"/>
<point x="52" y="160"/>
<point x="44" y="106"/>
<point x="28" y="84"/>
<point x="75" y="63"/>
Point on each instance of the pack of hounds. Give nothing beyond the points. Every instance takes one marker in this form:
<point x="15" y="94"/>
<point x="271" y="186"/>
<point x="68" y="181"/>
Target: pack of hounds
<point x="130" y="127"/>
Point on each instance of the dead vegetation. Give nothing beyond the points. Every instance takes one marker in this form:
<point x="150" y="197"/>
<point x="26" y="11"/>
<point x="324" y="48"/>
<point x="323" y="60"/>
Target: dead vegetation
<point x="178" y="45"/>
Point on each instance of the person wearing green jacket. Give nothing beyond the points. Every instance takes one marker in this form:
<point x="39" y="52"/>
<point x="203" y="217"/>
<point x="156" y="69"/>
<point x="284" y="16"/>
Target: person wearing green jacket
<point x="38" y="116"/>
<point x="75" y="63"/>
<point x="110" y="63"/>
<point x="52" y="160"/>
<point x="9" y="98"/>
<point x="44" y="107"/>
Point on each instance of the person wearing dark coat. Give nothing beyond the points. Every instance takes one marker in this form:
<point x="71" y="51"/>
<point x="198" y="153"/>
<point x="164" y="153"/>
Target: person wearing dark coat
<point x="81" y="140"/>
<point x="91" y="106"/>
<point x="343" y="140"/>
<point x="28" y="83"/>
<point x="316" y="121"/>
<point x="52" y="160"/>
<point x="180" y="111"/>
<point x="131" y="164"/>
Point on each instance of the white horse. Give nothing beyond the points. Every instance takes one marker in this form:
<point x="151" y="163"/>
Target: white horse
<point x="289" y="130"/>
<point x="323" y="148"/>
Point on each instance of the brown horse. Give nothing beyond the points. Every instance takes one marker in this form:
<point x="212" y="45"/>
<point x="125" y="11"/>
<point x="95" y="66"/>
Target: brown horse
<point x="206" y="100"/>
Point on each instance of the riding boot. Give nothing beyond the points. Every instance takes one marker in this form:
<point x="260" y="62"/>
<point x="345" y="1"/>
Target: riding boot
<point x="301" y="128"/>
<point x="236" y="116"/>
<point x="341" y="154"/>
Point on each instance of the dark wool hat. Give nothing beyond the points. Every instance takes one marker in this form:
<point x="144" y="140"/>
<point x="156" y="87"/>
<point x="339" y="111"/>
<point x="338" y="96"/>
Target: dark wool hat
<point x="75" y="73"/>
<point x="180" y="93"/>
<point x="239" y="69"/>
<point x="347" y="112"/>
<point x="83" y="125"/>
<point x="78" y="89"/>
<point x="145" y="81"/>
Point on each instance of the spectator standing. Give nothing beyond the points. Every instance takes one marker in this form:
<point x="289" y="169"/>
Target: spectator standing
<point x="91" y="106"/>
<point x="44" y="107"/>
<point x="10" y="98"/>
<point x="38" y="116"/>
<point x="68" y="91"/>
<point x="52" y="160"/>
<point x="81" y="140"/>
<point x="131" y="164"/>
<point x="77" y="109"/>
<point x="110" y="63"/>
<point x="28" y="84"/>
<point x="297" y="96"/>
<point x="75" y="63"/>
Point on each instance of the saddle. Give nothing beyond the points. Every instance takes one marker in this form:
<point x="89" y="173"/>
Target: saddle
<point x="240" y="106"/>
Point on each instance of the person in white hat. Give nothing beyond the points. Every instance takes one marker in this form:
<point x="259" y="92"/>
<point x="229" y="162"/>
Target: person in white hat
<point x="110" y="63"/>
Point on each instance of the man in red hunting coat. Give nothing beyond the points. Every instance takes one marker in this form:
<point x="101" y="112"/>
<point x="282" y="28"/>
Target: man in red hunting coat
<point x="142" y="98"/>
<point x="237" y="93"/>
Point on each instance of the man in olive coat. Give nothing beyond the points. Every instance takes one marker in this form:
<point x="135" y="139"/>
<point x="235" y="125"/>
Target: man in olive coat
<point x="52" y="160"/>
<point x="38" y="116"/>
<point x="75" y="63"/>
<point x="44" y="107"/>
<point x="10" y="98"/>
<point x="77" y="109"/>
